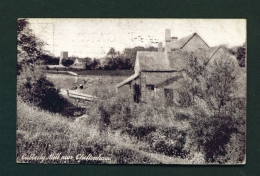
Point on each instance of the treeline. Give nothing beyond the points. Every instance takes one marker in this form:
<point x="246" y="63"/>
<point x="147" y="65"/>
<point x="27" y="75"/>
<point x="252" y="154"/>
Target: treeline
<point x="114" y="60"/>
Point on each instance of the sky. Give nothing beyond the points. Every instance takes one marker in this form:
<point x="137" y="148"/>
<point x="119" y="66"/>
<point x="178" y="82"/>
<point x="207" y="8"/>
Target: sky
<point x="94" y="37"/>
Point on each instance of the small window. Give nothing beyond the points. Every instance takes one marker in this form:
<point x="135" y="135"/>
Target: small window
<point x="150" y="87"/>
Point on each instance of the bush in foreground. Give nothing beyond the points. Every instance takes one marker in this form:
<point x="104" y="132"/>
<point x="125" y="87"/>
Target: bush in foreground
<point x="36" y="90"/>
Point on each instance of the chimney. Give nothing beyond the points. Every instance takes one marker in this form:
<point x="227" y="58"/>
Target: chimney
<point x="167" y="40"/>
<point x="174" y="43"/>
<point x="167" y="35"/>
<point x="160" y="48"/>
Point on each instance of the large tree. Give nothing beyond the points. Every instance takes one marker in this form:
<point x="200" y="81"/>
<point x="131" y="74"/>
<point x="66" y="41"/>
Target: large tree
<point x="29" y="46"/>
<point x="217" y="133"/>
<point x="220" y="82"/>
<point x="111" y="53"/>
<point x="32" y="84"/>
<point x="88" y="63"/>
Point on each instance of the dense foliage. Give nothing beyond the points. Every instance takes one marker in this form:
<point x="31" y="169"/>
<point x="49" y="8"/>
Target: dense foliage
<point x="32" y="85"/>
<point x="67" y="62"/>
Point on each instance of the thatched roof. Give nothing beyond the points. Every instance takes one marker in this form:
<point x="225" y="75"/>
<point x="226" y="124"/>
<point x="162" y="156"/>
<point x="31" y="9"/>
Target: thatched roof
<point x="158" y="61"/>
<point x="151" y="61"/>
<point x="178" y="60"/>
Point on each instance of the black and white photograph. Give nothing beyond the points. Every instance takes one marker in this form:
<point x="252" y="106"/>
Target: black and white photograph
<point x="131" y="91"/>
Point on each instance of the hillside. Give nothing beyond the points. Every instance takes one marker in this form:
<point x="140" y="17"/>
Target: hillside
<point x="43" y="133"/>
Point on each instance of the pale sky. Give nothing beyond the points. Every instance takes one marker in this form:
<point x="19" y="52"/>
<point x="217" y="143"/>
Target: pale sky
<point x="94" y="37"/>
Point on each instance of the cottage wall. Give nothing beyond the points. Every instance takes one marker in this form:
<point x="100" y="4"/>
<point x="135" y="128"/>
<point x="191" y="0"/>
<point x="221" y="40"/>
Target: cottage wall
<point x="137" y="65"/>
<point x="158" y="95"/>
<point x="155" y="79"/>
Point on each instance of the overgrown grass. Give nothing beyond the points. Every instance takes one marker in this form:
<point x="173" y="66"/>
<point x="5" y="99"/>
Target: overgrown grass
<point x="43" y="133"/>
<point x="127" y="132"/>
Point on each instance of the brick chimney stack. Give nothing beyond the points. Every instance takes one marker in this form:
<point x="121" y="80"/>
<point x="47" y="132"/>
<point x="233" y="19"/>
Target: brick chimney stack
<point x="167" y="35"/>
<point x="174" y="43"/>
<point x="160" y="47"/>
<point x="167" y="40"/>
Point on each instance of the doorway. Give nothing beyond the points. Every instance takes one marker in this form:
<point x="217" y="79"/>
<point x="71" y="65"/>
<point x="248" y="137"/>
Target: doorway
<point x="168" y="93"/>
<point x="137" y="93"/>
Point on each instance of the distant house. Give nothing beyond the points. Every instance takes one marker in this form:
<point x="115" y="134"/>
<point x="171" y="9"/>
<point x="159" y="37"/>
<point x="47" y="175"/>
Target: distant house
<point x="189" y="43"/>
<point x="158" y="73"/>
<point x="79" y="63"/>
<point x="209" y="56"/>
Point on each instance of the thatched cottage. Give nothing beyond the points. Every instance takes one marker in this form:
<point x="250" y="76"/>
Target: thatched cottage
<point x="79" y="63"/>
<point x="158" y="73"/>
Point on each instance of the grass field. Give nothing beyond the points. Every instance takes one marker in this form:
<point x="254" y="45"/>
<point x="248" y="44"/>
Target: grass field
<point x="95" y="80"/>
<point x="96" y="72"/>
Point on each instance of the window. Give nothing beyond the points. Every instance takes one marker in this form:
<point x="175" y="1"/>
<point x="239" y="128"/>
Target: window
<point x="150" y="87"/>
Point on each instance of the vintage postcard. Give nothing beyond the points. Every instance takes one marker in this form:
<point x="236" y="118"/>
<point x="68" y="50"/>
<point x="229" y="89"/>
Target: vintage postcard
<point x="131" y="91"/>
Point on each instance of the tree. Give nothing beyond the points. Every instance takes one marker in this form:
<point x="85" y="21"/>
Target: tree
<point x="29" y="46"/>
<point x="220" y="82"/>
<point x="95" y="64"/>
<point x="67" y="62"/>
<point x="241" y="56"/>
<point x="32" y="84"/>
<point x="215" y="133"/>
<point x="195" y="71"/>
<point x="49" y="60"/>
<point x="88" y="63"/>
<point x="129" y="55"/>
<point x="111" y="53"/>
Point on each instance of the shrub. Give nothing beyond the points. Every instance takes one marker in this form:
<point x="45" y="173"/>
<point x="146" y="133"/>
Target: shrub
<point x="126" y="116"/>
<point x="36" y="90"/>
<point x="170" y="142"/>
<point x="105" y="117"/>
<point x="140" y="132"/>
<point x="184" y="99"/>
<point x="213" y="135"/>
